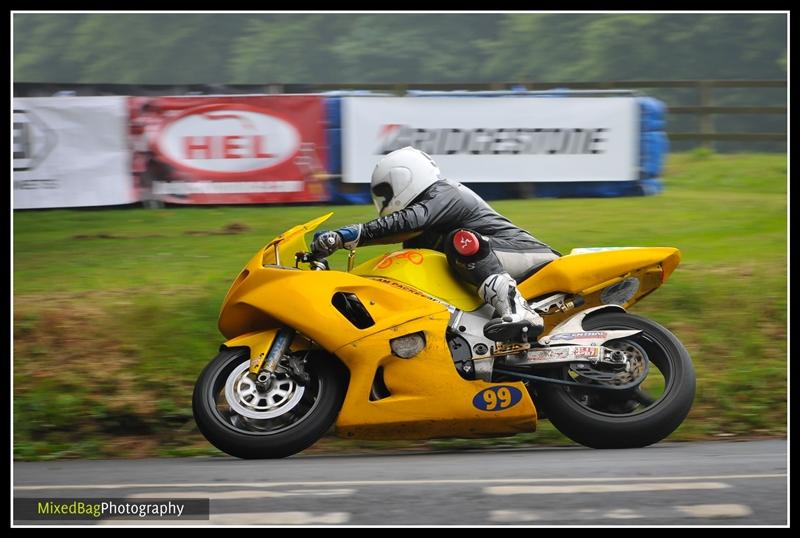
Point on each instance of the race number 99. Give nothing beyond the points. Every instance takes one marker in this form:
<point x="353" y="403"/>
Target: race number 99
<point x="497" y="398"/>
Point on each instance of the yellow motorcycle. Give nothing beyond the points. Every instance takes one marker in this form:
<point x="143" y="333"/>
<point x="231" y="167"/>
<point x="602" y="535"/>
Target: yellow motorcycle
<point x="394" y="348"/>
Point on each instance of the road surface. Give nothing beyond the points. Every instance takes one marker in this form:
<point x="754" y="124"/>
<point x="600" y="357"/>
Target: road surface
<point x="708" y="483"/>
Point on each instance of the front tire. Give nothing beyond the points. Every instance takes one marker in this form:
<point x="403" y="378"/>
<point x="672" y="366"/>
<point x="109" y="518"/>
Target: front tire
<point x="603" y="419"/>
<point x="283" y="421"/>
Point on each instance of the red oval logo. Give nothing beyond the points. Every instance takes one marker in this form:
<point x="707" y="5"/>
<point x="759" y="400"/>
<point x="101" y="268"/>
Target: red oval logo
<point x="227" y="140"/>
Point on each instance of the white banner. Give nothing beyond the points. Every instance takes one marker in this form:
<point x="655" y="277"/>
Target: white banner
<point x="494" y="139"/>
<point x="71" y="152"/>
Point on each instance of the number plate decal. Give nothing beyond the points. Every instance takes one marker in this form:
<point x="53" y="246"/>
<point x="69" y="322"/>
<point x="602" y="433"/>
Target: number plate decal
<point x="497" y="398"/>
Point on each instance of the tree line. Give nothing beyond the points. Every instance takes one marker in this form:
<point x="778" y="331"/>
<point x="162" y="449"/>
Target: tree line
<point x="235" y="48"/>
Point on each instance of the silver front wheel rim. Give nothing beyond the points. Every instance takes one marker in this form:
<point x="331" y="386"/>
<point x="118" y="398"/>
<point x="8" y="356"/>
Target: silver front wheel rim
<point x="248" y="400"/>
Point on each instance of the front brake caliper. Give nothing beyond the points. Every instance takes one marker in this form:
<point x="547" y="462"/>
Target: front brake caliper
<point x="297" y="370"/>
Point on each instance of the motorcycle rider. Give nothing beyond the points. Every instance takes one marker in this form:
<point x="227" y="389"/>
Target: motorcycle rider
<point x="424" y="210"/>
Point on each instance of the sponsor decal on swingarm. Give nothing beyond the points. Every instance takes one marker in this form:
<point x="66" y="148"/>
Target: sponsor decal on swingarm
<point x="564" y="353"/>
<point x="585" y="351"/>
<point x="589" y="335"/>
<point x="556" y="353"/>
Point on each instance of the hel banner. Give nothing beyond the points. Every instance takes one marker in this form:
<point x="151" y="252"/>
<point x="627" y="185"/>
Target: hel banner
<point x="497" y="139"/>
<point x="71" y="152"/>
<point x="229" y="149"/>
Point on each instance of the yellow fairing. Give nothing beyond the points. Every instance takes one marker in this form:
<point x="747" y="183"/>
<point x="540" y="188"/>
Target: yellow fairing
<point x="281" y="250"/>
<point x="587" y="275"/>
<point x="427" y="271"/>
<point x="258" y="342"/>
<point x="577" y="273"/>
<point x="428" y="398"/>
<point x="271" y="296"/>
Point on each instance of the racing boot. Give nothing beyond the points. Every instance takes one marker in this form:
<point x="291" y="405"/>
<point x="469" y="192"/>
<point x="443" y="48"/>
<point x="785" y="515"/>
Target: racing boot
<point x="512" y="312"/>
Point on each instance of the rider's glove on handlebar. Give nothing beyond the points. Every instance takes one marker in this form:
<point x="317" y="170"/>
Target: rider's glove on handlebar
<point x="328" y="242"/>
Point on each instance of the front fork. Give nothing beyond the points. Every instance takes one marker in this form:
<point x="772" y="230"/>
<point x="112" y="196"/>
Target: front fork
<point x="267" y="348"/>
<point x="269" y="362"/>
<point x="265" y="367"/>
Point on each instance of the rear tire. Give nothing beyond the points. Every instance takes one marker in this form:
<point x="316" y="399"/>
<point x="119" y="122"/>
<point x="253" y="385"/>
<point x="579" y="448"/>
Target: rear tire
<point x="306" y="421"/>
<point x="606" y="423"/>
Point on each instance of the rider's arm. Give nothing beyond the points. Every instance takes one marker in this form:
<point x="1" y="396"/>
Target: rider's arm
<point x="395" y="227"/>
<point x="441" y="210"/>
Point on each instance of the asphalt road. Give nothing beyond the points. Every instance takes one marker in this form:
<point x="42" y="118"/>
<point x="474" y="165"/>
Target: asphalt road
<point x="718" y="483"/>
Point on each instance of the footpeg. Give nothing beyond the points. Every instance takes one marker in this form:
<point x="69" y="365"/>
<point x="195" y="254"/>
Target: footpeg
<point x="498" y="330"/>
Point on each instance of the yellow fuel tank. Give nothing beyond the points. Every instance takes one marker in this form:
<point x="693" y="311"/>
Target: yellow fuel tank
<point x="424" y="270"/>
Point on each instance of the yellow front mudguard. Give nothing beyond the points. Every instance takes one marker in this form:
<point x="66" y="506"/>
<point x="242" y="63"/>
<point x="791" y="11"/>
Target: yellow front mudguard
<point x="259" y="343"/>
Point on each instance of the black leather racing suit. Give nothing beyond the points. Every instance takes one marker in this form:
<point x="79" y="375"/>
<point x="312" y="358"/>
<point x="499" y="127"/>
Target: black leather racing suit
<point x="447" y="206"/>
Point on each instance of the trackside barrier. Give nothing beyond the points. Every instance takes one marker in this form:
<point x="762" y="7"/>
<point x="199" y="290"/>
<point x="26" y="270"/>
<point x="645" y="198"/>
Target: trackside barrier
<point x="340" y="193"/>
<point x="653" y="147"/>
<point x="648" y="112"/>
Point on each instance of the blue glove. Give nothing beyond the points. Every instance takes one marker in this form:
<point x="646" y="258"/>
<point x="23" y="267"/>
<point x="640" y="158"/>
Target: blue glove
<point x="328" y="242"/>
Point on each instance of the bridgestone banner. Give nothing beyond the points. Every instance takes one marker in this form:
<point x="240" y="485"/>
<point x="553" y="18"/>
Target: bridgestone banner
<point x="502" y="139"/>
<point x="71" y="152"/>
<point x="229" y="149"/>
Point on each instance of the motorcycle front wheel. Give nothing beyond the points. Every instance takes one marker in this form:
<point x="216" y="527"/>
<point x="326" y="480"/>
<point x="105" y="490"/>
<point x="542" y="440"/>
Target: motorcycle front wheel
<point x="604" y="419"/>
<point x="253" y="420"/>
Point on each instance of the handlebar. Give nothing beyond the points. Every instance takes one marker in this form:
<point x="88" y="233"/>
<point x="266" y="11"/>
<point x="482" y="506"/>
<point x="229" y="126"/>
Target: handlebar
<point x="317" y="264"/>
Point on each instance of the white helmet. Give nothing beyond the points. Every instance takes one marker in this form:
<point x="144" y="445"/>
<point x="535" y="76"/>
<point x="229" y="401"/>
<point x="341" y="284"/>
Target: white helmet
<point x="400" y="177"/>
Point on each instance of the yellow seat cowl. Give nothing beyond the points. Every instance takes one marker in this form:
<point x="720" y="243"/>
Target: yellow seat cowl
<point x="575" y="273"/>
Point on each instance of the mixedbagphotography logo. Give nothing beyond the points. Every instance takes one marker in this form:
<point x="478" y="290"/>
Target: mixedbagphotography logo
<point x="91" y="509"/>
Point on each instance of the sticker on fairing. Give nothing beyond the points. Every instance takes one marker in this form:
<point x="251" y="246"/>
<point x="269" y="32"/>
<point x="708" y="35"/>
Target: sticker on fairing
<point x="497" y="398"/>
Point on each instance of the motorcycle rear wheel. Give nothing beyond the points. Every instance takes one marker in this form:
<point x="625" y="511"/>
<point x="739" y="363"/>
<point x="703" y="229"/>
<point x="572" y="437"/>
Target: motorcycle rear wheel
<point x="607" y="420"/>
<point x="283" y="422"/>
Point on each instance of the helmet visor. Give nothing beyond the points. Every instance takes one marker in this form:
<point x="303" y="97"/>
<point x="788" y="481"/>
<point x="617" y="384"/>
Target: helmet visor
<point x="382" y="194"/>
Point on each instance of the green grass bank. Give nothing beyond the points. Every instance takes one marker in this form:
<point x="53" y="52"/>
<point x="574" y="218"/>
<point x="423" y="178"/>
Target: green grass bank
<point x="115" y="310"/>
